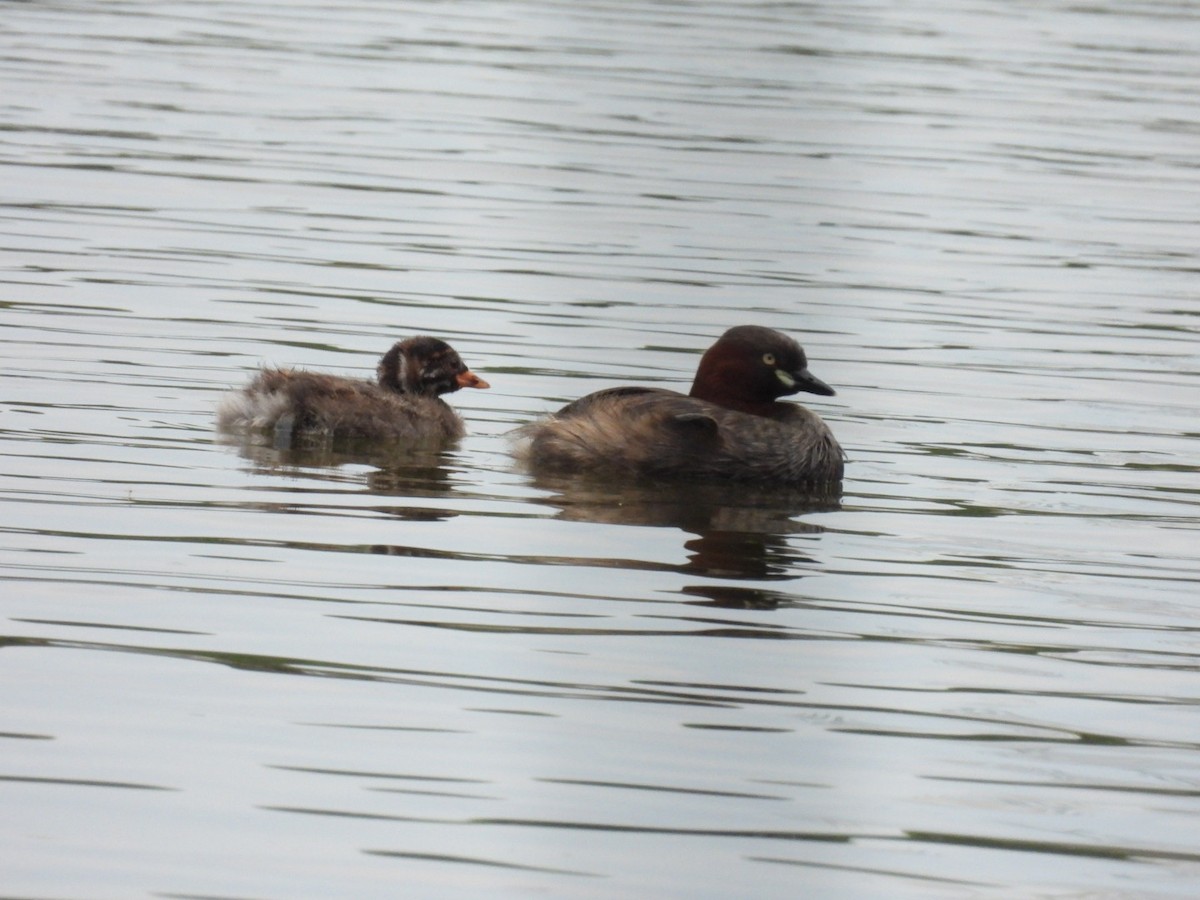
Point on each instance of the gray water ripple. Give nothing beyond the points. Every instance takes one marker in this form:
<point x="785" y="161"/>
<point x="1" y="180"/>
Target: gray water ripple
<point x="980" y="222"/>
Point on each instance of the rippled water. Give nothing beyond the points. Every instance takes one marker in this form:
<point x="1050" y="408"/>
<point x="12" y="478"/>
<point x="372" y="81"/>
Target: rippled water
<point x="975" y="676"/>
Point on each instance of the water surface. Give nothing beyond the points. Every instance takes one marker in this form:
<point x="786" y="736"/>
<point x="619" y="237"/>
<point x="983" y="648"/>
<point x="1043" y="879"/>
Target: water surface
<point x="236" y="671"/>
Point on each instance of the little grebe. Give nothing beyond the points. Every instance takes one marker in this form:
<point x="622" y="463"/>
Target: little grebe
<point x="731" y="427"/>
<point x="404" y="404"/>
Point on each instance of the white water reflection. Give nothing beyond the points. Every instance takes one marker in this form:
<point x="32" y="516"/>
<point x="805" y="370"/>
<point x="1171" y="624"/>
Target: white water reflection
<point x="235" y="671"/>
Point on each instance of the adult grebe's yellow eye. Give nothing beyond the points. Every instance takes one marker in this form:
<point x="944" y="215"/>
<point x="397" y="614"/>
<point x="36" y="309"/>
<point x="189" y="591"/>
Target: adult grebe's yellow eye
<point x="769" y="359"/>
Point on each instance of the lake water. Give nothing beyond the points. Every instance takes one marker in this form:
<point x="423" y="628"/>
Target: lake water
<point x="234" y="672"/>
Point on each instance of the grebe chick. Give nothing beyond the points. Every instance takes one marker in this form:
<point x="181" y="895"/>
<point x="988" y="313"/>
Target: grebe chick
<point x="403" y="404"/>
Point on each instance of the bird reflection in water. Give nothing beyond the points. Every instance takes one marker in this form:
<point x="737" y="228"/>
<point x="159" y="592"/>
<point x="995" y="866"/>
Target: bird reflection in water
<point x="741" y="531"/>
<point x="417" y="473"/>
